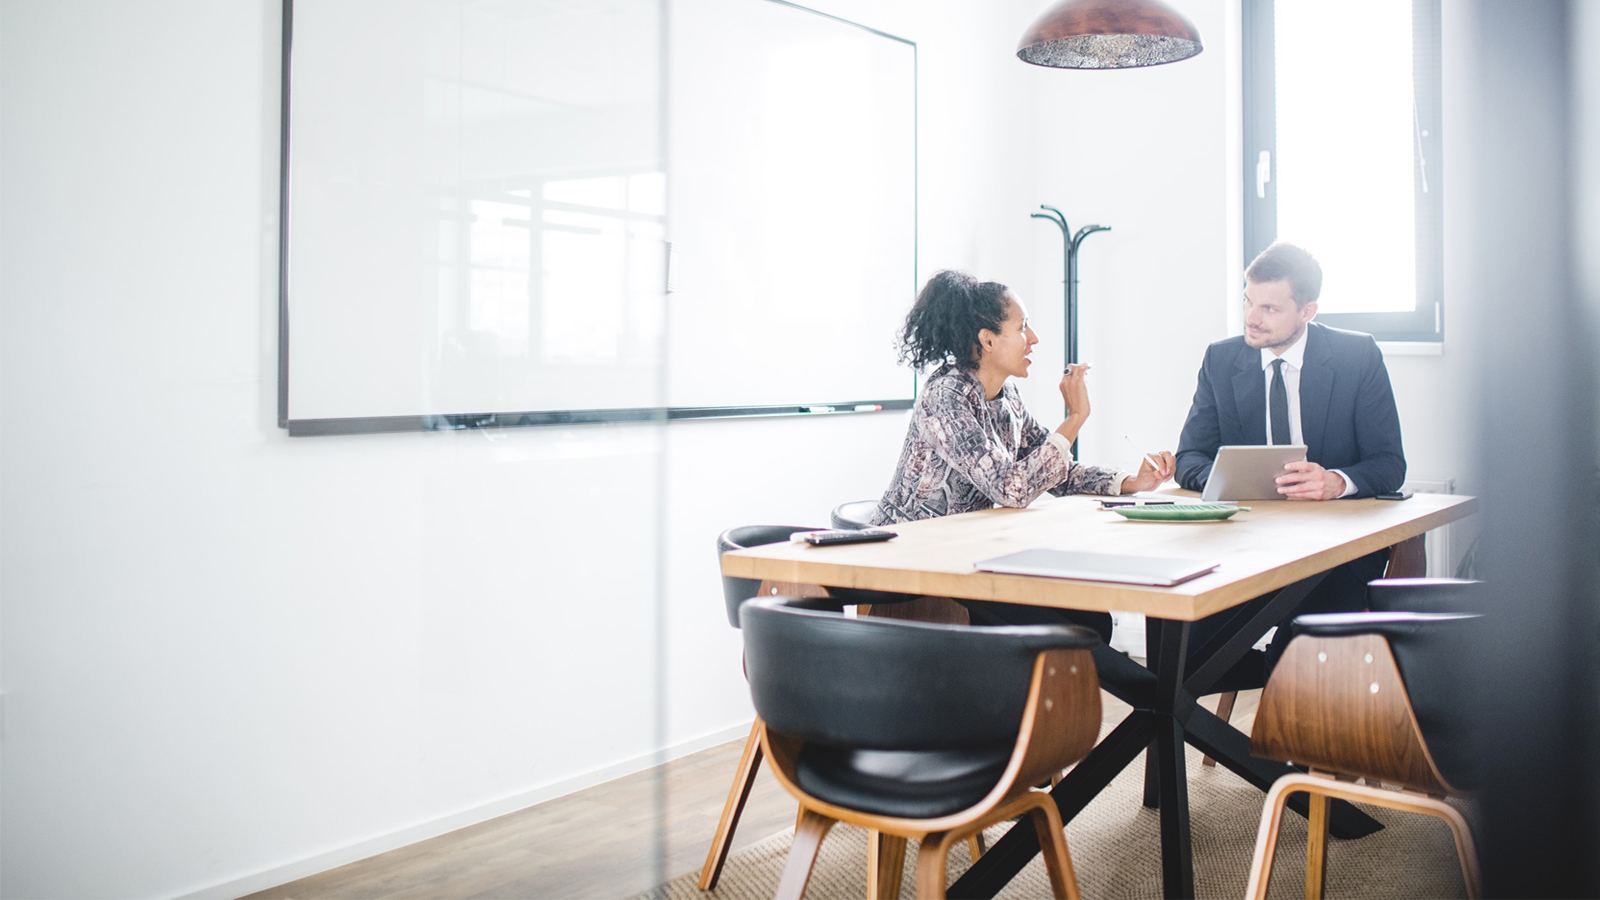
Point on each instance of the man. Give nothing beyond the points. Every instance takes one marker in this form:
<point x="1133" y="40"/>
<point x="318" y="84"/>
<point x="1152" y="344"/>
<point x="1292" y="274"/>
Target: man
<point x="1334" y="384"/>
<point x="1289" y="380"/>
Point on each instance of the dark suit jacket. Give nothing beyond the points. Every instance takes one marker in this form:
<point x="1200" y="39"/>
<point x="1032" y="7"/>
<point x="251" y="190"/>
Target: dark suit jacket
<point x="1347" y="412"/>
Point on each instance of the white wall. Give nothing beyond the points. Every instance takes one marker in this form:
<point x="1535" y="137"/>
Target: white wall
<point x="230" y="658"/>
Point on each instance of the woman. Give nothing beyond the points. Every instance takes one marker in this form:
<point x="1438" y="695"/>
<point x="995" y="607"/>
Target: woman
<point x="972" y="444"/>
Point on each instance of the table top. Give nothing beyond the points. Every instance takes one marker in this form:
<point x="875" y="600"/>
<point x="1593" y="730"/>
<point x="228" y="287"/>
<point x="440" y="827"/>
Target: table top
<point x="1273" y="544"/>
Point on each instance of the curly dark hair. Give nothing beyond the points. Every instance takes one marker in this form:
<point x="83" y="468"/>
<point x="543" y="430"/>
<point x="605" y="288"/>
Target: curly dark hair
<point x="942" y="327"/>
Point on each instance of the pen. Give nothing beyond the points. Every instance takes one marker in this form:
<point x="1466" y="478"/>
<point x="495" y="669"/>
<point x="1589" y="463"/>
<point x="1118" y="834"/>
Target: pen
<point x="1153" y="461"/>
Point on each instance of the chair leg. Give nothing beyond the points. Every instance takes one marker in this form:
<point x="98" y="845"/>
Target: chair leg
<point x="886" y="863"/>
<point x="931" y="858"/>
<point x="1317" y="847"/>
<point x="1267" y="838"/>
<point x="802" y="855"/>
<point x="743" y="778"/>
<point x="1465" y="849"/>
<point x="975" y="846"/>
<point x="1053" y="839"/>
<point x="1405" y="801"/>
<point x="1224" y="712"/>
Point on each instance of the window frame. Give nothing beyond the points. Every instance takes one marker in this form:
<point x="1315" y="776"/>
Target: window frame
<point x="1425" y="324"/>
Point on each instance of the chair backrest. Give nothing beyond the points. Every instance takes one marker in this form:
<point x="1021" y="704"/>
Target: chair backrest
<point x="737" y="590"/>
<point x="888" y="684"/>
<point x="1430" y="651"/>
<point x="1433" y="663"/>
<point x="1458" y="595"/>
<point x="855" y="514"/>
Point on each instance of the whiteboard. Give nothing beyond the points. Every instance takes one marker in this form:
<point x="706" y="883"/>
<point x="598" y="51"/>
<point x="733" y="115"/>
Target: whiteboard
<point x="479" y="198"/>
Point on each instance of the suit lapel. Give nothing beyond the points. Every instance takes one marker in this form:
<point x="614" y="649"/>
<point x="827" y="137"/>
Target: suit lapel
<point x="1316" y="386"/>
<point x="1250" y="393"/>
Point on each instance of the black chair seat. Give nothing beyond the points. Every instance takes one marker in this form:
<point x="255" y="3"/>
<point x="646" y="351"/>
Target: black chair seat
<point x="921" y="784"/>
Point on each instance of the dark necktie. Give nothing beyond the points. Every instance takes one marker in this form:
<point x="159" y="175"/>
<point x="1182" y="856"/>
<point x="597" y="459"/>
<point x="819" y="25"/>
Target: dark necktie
<point x="1278" y="405"/>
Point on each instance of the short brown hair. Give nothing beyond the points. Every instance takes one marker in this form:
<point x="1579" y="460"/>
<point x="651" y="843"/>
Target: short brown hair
<point x="1283" y="261"/>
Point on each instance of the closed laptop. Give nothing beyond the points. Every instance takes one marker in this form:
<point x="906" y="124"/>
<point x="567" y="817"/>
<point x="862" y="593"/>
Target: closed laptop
<point x="1151" y="570"/>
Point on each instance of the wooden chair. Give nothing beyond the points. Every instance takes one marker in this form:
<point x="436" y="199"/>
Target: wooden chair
<point x="917" y="731"/>
<point x="1407" y="562"/>
<point x="735" y="591"/>
<point x="1367" y="695"/>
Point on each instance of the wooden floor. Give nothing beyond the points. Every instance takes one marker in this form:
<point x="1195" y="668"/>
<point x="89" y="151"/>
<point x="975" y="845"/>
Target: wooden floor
<point x="609" y="841"/>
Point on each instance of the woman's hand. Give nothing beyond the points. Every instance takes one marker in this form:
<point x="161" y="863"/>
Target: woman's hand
<point x="1075" y="391"/>
<point x="1151" y="476"/>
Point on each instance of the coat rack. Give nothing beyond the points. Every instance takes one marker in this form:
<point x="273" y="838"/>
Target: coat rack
<point x="1069" y="253"/>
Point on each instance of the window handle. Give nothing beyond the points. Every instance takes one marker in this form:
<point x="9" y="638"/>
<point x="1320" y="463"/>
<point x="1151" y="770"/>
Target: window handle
<point x="1263" y="173"/>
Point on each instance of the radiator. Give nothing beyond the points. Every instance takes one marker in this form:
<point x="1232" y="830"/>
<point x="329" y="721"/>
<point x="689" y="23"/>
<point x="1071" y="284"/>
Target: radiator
<point x="1437" y="542"/>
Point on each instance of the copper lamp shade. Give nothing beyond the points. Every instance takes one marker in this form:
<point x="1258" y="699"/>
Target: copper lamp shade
<point x="1109" y="34"/>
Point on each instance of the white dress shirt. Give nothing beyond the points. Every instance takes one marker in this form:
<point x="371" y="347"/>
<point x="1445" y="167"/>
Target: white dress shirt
<point x="1294" y="360"/>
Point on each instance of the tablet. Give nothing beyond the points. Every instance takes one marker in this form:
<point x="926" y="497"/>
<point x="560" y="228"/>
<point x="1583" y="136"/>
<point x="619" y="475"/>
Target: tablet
<point x="1249" y="471"/>
<point x="1152" y="570"/>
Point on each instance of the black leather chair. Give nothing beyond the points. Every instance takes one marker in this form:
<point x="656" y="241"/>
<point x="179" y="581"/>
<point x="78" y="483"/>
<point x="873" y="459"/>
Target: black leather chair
<point x="1456" y="595"/>
<point x="1406" y="594"/>
<point x="735" y="591"/>
<point x="917" y="730"/>
<point x="1375" y="696"/>
<point x="856" y="514"/>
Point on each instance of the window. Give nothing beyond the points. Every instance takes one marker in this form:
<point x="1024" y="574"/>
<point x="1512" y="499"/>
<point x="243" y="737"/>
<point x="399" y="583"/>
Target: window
<point x="1342" y="139"/>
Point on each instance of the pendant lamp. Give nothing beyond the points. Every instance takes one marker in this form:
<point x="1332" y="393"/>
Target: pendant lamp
<point x="1109" y="34"/>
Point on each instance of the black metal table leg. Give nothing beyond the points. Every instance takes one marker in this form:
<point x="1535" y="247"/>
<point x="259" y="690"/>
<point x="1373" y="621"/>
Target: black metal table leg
<point x="1177" y="864"/>
<point x="1213" y="660"/>
<point x="1152" y="769"/>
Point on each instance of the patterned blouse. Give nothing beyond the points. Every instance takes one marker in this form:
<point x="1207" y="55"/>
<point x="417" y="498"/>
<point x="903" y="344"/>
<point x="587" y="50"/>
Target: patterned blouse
<point x="964" y="452"/>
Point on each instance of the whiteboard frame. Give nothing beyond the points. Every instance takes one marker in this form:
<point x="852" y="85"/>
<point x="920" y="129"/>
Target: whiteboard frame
<point x="528" y="418"/>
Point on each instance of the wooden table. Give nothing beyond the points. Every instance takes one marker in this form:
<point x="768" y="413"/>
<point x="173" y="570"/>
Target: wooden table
<point x="1276" y="546"/>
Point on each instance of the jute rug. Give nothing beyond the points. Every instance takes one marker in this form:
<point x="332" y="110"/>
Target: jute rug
<point x="1115" y="847"/>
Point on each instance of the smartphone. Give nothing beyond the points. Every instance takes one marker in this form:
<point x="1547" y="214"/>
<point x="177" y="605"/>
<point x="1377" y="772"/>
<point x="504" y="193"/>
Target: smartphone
<point x="1394" y="495"/>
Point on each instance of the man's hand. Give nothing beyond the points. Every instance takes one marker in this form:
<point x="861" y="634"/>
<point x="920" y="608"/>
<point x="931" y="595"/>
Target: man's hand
<point x="1151" y="477"/>
<point x="1309" y="481"/>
